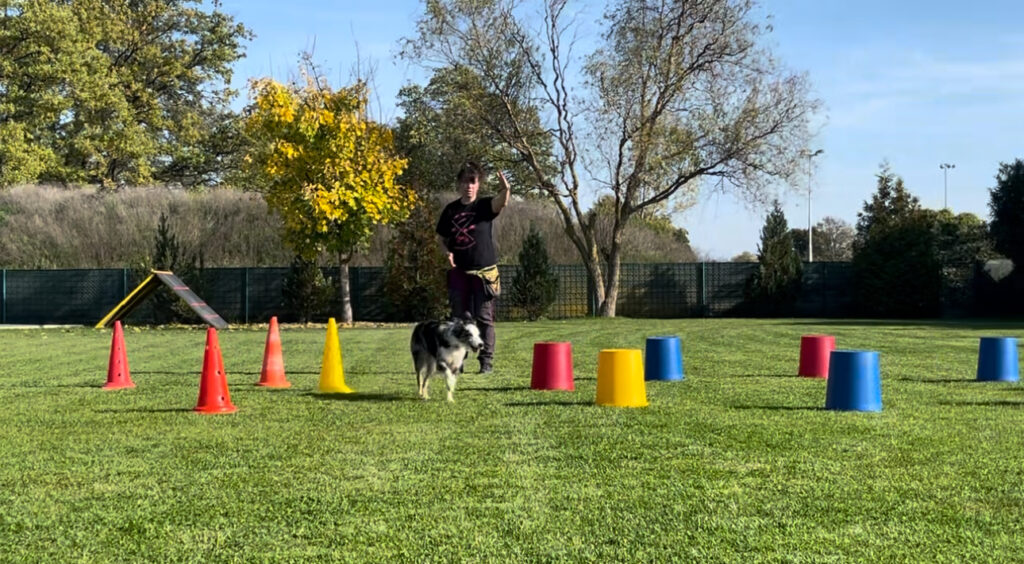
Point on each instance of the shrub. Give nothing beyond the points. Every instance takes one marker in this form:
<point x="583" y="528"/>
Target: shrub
<point x="168" y="254"/>
<point x="534" y="287"/>
<point x="306" y="292"/>
<point x="775" y="285"/>
<point x="415" y="267"/>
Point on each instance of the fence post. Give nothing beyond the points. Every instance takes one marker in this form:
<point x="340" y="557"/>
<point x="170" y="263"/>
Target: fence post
<point x="245" y="293"/>
<point x="704" y="290"/>
<point x="3" y="296"/>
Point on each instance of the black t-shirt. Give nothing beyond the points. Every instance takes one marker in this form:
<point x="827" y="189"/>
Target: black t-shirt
<point x="467" y="233"/>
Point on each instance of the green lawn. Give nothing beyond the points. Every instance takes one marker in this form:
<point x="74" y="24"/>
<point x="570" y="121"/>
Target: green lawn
<point x="737" y="463"/>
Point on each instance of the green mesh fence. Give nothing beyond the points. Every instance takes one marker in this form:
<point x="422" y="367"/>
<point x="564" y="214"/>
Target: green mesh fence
<point x="250" y="295"/>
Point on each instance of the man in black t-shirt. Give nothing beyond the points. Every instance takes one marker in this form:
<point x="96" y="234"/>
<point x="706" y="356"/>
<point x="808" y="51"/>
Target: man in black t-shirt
<point x="465" y="230"/>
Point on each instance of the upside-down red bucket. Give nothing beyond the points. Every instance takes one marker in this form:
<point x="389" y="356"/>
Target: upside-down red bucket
<point x="552" y="366"/>
<point x="814" y="355"/>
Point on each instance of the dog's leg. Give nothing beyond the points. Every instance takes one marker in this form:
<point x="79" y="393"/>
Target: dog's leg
<point x="428" y="371"/>
<point x="421" y="365"/>
<point x="450" y="377"/>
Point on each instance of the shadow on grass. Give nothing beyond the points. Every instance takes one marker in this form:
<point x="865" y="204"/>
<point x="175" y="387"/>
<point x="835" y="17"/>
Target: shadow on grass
<point x="547" y="403"/>
<point x="409" y="373"/>
<point x="257" y="372"/>
<point x="254" y="387"/>
<point x="936" y="380"/>
<point x="779" y="407"/>
<point x="989" y="403"/>
<point x="83" y="385"/>
<point x="154" y="410"/>
<point x="793" y="376"/>
<point x="360" y="397"/>
<point x="492" y="388"/>
<point x="167" y="372"/>
<point x="1002" y="324"/>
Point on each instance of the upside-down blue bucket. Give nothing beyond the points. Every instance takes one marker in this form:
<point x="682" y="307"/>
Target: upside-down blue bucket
<point x="854" y="381"/>
<point x="997" y="360"/>
<point x="664" y="359"/>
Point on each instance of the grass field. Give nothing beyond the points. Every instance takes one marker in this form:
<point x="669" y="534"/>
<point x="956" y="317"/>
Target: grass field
<point x="737" y="463"/>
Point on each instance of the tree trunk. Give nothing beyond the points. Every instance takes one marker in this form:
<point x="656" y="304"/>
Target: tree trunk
<point x="611" y="295"/>
<point x="344" y="288"/>
<point x="593" y="265"/>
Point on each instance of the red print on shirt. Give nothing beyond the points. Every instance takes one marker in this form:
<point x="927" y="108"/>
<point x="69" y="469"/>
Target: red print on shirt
<point x="463" y="228"/>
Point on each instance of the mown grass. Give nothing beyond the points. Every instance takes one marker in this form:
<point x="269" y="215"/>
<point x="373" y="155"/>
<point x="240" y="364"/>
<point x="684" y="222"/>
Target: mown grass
<point x="737" y="463"/>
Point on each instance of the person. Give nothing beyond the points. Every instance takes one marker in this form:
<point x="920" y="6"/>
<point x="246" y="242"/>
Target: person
<point x="467" y="238"/>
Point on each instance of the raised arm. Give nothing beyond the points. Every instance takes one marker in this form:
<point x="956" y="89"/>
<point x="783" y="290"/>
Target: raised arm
<point x="499" y="202"/>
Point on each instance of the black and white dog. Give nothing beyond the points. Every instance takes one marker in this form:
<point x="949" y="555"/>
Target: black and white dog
<point x="442" y="347"/>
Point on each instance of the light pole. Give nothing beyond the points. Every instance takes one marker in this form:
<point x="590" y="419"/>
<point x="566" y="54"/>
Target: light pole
<point x="810" y="231"/>
<point x="945" y="170"/>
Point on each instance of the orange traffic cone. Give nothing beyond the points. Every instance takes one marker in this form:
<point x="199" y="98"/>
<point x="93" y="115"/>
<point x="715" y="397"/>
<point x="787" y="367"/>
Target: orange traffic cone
<point x="213" y="383"/>
<point x="272" y="374"/>
<point x="118" y="374"/>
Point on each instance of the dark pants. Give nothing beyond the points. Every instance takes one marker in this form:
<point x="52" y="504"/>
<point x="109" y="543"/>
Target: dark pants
<point x="466" y="293"/>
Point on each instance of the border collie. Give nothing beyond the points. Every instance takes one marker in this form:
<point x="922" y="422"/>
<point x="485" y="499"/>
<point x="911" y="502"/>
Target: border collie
<point x="442" y="347"/>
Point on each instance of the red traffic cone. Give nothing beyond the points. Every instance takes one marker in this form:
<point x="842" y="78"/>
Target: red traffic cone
<point x="213" y="383"/>
<point x="118" y="374"/>
<point x="272" y="374"/>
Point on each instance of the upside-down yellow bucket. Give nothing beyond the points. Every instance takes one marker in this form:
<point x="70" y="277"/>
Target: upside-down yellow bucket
<point x="620" y="378"/>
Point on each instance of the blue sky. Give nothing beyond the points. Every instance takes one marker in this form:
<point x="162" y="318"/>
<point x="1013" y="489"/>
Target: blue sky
<point x="915" y="83"/>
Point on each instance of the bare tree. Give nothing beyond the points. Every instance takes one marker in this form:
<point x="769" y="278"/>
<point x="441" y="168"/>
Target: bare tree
<point x="680" y="94"/>
<point x="833" y="240"/>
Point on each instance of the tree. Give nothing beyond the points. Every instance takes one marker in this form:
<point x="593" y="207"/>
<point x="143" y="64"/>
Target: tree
<point x="776" y="283"/>
<point x="1006" y="204"/>
<point x="679" y="94"/>
<point x="306" y="292"/>
<point x="436" y="134"/>
<point x="891" y="204"/>
<point x="833" y="241"/>
<point x="961" y="242"/>
<point x="647" y="237"/>
<point x="745" y="256"/>
<point x="328" y="169"/>
<point x="799" y="237"/>
<point x="535" y="286"/>
<point x="961" y="239"/>
<point x="897" y="272"/>
<point x="414" y="268"/>
<point x="169" y="254"/>
<point x="115" y="91"/>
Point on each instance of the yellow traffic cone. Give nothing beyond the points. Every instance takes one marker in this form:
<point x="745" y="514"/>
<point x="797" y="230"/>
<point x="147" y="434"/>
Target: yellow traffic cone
<point x="332" y="376"/>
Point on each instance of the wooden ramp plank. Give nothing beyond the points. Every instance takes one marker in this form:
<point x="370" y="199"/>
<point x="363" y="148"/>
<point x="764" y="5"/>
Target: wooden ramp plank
<point x="150" y="285"/>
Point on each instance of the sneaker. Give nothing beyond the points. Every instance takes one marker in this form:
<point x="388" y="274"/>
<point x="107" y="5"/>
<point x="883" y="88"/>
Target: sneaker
<point x="486" y="368"/>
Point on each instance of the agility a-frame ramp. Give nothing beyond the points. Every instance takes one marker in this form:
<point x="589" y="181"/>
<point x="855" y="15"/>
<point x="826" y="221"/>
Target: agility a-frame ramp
<point x="151" y="284"/>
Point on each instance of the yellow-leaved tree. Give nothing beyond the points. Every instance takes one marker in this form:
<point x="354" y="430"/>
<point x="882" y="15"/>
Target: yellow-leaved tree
<point x="325" y="166"/>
